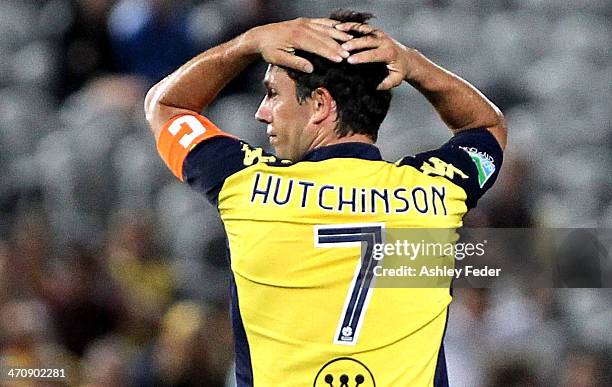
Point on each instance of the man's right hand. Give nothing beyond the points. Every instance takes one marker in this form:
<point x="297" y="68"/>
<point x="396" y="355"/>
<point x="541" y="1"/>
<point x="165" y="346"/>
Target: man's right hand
<point x="277" y="42"/>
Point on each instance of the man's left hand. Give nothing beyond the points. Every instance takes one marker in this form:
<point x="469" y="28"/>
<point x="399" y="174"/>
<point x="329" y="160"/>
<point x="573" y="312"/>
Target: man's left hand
<point x="378" y="47"/>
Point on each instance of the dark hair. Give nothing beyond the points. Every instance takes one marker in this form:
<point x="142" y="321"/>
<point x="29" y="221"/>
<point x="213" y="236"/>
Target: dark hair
<point x="361" y="108"/>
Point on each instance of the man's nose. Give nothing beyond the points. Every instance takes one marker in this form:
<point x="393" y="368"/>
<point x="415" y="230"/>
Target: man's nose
<point x="263" y="113"/>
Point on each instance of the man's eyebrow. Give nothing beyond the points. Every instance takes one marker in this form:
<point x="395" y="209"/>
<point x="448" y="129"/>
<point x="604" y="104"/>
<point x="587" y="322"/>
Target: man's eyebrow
<point x="267" y="84"/>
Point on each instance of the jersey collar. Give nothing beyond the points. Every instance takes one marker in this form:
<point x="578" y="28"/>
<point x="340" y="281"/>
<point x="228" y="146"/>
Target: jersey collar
<point x="356" y="150"/>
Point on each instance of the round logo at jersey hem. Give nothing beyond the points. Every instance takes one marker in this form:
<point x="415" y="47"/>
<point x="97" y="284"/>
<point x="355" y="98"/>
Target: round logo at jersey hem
<point x="344" y="372"/>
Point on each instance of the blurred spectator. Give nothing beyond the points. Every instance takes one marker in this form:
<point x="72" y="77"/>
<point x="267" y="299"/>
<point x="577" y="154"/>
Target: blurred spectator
<point x="106" y="364"/>
<point x="467" y="336"/>
<point x="84" y="301"/>
<point x="185" y="352"/>
<point x="87" y="48"/>
<point x="29" y="256"/>
<point x="4" y="280"/>
<point x="585" y="368"/>
<point x="135" y="263"/>
<point x="25" y="325"/>
<point x="149" y="37"/>
<point x="27" y="340"/>
<point x="513" y="375"/>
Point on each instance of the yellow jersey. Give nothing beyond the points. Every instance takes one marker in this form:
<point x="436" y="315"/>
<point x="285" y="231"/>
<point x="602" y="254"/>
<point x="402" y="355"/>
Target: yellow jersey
<point x="304" y="310"/>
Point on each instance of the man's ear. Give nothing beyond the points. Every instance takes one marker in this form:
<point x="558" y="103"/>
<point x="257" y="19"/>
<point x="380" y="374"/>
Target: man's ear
<point x="324" y="106"/>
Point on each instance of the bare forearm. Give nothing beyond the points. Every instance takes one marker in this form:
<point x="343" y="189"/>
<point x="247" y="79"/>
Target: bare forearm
<point x="460" y="105"/>
<point x="194" y="85"/>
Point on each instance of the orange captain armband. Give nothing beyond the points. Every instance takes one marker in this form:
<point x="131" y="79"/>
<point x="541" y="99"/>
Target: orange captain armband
<point x="180" y="135"/>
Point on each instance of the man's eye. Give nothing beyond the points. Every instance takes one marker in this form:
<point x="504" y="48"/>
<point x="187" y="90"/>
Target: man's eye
<point x="271" y="93"/>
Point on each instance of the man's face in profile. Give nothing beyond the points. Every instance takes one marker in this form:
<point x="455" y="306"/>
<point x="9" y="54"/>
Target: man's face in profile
<point x="288" y="121"/>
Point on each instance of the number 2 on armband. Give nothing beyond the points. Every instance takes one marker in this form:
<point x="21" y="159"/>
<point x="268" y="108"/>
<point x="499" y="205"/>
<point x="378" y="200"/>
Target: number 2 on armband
<point x="189" y="123"/>
<point x="360" y="289"/>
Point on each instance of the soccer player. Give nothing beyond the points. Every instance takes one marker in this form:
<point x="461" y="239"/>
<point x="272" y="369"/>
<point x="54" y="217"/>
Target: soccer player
<point x="303" y="309"/>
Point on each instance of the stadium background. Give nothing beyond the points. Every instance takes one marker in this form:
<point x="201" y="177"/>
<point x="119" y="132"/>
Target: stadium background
<point x="111" y="267"/>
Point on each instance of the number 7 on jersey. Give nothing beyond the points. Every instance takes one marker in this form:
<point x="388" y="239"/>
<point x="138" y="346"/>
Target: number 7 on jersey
<point x="360" y="289"/>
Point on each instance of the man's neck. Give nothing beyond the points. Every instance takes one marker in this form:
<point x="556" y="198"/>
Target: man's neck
<point x="333" y="140"/>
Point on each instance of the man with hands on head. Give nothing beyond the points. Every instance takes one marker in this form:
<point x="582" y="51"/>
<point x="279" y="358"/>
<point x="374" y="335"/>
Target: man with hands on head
<point x="304" y="310"/>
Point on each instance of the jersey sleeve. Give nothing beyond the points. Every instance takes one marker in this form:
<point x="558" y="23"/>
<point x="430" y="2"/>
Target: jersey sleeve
<point x="202" y="155"/>
<point x="471" y="159"/>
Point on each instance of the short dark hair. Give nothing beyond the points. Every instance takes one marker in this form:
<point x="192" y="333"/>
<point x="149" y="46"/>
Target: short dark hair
<point x="361" y="108"/>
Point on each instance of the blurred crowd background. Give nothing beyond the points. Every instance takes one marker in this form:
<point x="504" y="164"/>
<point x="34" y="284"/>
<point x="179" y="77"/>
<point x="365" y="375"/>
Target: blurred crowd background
<point x="111" y="268"/>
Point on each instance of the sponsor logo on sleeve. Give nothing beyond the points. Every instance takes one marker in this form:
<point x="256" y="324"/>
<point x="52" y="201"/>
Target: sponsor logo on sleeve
<point x="484" y="164"/>
<point x="435" y="166"/>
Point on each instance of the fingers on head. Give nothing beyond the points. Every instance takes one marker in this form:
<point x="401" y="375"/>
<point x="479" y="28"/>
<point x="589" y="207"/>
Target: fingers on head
<point x="369" y="56"/>
<point x="368" y="41"/>
<point x="332" y="32"/>
<point x="295" y="62"/>
<point x="321" y="40"/>
<point x="391" y="81"/>
<point x="325" y="47"/>
<point x="324" y="21"/>
<point x="357" y="27"/>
